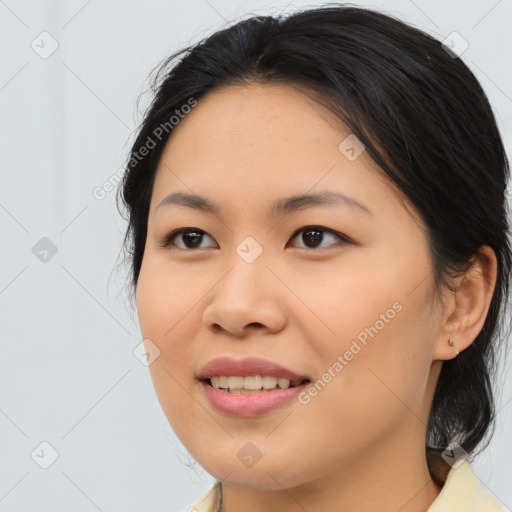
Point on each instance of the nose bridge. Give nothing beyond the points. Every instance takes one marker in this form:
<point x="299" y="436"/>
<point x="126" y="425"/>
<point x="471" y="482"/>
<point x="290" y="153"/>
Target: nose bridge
<point x="249" y="250"/>
<point x="248" y="267"/>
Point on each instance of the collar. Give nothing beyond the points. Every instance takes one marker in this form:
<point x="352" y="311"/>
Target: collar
<point x="461" y="492"/>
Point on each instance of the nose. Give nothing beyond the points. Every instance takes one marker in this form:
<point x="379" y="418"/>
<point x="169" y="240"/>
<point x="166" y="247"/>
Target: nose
<point x="246" y="299"/>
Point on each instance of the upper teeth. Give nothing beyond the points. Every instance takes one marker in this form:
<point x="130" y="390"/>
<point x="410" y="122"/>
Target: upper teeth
<point x="253" y="382"/>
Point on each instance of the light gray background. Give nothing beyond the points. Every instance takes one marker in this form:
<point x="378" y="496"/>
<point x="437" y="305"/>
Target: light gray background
<point x="69" y="375"/>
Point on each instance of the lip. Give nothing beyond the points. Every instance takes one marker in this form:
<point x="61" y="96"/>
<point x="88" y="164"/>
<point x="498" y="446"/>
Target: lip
<point x="249" y="406"/>
<point x="253" y="404"/>
<point x="244" y="367"/>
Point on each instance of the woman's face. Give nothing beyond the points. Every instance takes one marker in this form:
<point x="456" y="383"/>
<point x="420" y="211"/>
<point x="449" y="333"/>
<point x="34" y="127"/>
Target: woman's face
<point x="355" y="316"/>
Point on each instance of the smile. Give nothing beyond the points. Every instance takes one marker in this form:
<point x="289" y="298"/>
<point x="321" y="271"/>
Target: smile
<point x="251" y="384"/>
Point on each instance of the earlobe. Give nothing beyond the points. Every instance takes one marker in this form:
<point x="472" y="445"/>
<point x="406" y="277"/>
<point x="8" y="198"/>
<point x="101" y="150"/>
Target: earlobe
<point x="453" y="344"/>
<point x="470" y="304"/>
<point x="448" y="348"/>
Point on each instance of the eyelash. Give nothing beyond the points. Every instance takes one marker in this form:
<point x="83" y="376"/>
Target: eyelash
<point x="168" y="240"/>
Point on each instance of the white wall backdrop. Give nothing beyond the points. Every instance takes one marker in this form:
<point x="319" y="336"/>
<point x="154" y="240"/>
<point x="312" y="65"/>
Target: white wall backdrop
<point x="69" y="78"/>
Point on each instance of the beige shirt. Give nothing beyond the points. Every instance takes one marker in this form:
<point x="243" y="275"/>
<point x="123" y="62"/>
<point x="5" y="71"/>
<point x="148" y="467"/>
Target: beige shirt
<point x="461" y="492"/>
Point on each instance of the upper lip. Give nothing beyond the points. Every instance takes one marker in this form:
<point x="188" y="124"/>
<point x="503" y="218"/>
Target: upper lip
<point x="244" y="367"/>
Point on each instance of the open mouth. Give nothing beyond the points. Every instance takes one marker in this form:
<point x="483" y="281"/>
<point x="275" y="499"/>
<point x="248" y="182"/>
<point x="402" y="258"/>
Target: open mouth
<point x="252" y="385"/>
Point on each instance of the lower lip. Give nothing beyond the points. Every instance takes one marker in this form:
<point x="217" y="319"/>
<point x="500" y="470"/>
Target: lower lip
<point x="250" y="405"/>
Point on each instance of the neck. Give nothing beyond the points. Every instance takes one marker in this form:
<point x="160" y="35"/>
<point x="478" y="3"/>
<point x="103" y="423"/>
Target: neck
<point x="396" y="480"/>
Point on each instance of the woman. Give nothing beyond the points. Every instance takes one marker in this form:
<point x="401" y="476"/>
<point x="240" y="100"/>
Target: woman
<point x="319" y="248"/>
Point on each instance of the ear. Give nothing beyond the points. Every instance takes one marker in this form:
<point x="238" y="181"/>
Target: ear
<point x="466" y="308"/>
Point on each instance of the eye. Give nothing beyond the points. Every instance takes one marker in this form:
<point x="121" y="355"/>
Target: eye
<point x="190" y="236"/>
<point x="313" y="235"/>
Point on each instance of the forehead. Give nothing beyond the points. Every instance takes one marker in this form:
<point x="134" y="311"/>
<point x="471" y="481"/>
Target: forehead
<point x="260" y="112"/>
<point x="263" y="142"/>
<point x="257" y="131"/>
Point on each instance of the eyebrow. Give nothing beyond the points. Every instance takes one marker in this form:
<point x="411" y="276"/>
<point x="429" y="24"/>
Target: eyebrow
<point x="278" y="208"/>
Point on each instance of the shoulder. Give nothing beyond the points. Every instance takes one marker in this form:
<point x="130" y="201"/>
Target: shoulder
<point x="462" y="492"/>
<point x="209" y="501"/>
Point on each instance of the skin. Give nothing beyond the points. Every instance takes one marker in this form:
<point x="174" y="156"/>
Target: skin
<point x="359" y="445"/>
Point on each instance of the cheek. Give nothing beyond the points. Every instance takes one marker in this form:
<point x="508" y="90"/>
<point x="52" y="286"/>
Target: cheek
<point x="352" y="305"/>
<point x="164" y="313"/>
<point x="379" y="330"/>
<point x="165" y="299"/>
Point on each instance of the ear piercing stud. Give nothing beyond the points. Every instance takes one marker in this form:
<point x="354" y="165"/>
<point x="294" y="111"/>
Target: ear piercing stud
<point x="452" y="343"/>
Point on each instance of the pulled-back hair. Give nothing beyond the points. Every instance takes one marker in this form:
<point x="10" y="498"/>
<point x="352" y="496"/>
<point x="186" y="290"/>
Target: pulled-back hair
<point x="423" y="118"/>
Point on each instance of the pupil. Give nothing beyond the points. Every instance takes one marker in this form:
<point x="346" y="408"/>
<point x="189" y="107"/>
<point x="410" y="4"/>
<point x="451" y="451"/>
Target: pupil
<point x="194" y="237"/>
<point x="317" y="236"/>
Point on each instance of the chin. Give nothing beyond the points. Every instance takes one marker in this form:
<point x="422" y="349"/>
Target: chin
<point x="265" y="476"/>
